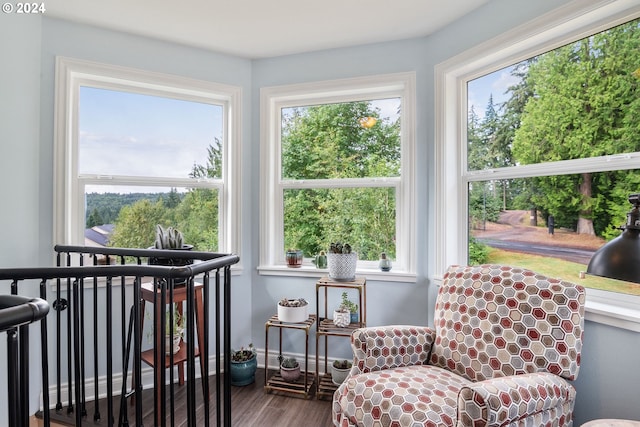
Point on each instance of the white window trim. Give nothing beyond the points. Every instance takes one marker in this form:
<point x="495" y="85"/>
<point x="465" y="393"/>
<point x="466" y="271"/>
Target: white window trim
<point x="272" y="100"/>
<point x="71" y="74"/>
<point x="573" y="21"/>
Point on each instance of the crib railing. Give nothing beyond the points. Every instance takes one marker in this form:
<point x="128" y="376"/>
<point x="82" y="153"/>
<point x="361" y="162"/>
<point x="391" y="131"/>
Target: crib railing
<point x="96" y="300"/>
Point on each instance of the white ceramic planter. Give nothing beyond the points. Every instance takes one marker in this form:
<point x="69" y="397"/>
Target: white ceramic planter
<point x="293" y="314"/>
<point x="339" y="375"/>
<point x="172" y="345"/>
<point x="341" y="319"/>
<point x="342" y="267"/>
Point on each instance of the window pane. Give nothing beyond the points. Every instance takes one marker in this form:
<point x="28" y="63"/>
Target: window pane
<point x="124" y="216"/>
<point x="344" y="140"/>
<point x="549" y="224"/>
<point x="362" y="217"/>
<point x="579" y="101"/>
<point x="122" y="133"/>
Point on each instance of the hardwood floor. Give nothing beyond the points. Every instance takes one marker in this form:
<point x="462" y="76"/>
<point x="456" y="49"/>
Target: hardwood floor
<point x="250" y="407"/>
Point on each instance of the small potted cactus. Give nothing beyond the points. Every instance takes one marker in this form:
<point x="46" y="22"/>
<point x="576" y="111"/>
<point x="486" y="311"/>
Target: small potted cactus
<point x="290" y="369"/>
<point x="171" y="239"/>
<point x="342" y="262"/>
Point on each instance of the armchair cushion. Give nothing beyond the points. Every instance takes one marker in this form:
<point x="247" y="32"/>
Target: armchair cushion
<point x="389" y="347"/>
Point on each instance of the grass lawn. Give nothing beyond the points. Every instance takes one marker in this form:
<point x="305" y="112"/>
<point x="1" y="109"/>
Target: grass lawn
<point x="561" y="269"/>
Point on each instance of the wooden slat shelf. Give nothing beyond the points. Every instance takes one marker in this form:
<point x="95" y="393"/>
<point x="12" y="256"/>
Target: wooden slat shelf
<point x="326" y="387"/>
<point x="276" y="383"/>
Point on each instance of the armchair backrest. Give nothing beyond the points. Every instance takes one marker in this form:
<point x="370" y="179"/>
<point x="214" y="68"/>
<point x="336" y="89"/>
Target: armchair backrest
<point x="492" y="321"/>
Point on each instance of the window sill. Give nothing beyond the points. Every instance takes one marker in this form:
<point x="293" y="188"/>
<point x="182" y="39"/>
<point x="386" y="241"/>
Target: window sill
<point x="618" y="310"/>
<point x="310" y="271"/>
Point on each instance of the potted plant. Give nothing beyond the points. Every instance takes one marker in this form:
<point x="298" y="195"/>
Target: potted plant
<point x="172" y="239"/>
<point x="294" y="258"/>
<point x="342" y="262"/>
<point x="341" y="316"/>
<point x="385" y="262"/>
<point x="321" y="260"/>
<point x="243" y="366"/>
<point x="293" y="310"/>
<point x="351" y="306"/>
<point x="340" y="370"/>
<point x="173" y="331"/>
<point x="290" y="369"/>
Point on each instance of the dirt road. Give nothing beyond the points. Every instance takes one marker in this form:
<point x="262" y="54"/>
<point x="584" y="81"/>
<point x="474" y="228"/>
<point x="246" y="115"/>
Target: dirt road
<point x="514" y="226"/>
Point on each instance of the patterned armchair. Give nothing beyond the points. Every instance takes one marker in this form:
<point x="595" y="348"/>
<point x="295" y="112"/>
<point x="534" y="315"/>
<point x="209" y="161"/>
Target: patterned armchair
<point x="505" y="343"/>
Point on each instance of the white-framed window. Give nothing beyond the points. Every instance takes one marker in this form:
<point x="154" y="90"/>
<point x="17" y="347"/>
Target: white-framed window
<point x="162" y="147"/>
<point x="454" y="175"/>
<point x="339" y="156"/>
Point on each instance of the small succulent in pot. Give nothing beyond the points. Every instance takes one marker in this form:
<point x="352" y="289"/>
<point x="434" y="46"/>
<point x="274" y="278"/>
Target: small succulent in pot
<point x="340" y="370"/>
<point x="171" y="239"/>
<point x="290" y="369"/>
<point x="341" y="316"/>
<point x="342" y="262"/>
<point x="294" y="310"/>
<point x="244" y="354"/>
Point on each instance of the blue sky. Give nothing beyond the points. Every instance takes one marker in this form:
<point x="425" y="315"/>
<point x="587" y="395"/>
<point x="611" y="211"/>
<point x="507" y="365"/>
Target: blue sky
<point x="496" y="84"/>
<point x="131" y="134"/>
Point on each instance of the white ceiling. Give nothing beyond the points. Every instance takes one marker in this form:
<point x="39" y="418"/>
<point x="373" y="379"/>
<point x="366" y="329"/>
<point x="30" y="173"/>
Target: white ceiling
<point x="267" y="28"/>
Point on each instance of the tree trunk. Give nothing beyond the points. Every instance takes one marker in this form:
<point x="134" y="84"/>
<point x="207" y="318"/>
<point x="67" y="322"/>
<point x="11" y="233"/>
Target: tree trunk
<point x="533" y="217"/>
<point x="585" y="223"/>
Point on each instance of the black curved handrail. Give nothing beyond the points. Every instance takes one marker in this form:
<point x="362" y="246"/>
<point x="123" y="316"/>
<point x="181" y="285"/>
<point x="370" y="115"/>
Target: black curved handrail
<point x="72" y="279"/>
<point x="17" y="310"/>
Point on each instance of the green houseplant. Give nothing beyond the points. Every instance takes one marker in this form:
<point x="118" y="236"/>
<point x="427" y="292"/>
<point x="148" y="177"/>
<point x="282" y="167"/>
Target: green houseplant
<point x="351" y="306"/>
<point x="244" y="363"/>
<point x="290" y="369"/>
<point x="173" y="331"/>
<point x="342" y="262"/>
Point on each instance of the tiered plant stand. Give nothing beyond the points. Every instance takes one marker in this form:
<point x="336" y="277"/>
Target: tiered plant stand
<point x="325" y="327"/>
<point x="303" y="386"/>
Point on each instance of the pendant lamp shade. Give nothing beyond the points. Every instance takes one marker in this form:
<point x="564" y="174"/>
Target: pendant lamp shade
<point x="620" y="258"/>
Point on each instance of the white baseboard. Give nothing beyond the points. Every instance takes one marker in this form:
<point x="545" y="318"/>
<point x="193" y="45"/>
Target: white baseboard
<point x="147" y="377"/>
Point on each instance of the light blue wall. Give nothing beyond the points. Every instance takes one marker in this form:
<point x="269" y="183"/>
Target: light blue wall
<point x="19" y="160"/>
<point x="607" y="386"/>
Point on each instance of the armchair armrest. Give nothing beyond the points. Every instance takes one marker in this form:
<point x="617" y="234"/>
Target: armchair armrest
<point x="378" y="348"/>
<point x="505" y="400"/>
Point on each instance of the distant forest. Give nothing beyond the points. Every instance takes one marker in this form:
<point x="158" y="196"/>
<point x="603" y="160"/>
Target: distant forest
<point x="104" y="208"/>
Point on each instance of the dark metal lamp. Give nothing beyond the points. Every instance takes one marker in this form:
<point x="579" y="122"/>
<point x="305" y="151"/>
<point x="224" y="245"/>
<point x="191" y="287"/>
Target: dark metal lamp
<point x="620" y="258"/>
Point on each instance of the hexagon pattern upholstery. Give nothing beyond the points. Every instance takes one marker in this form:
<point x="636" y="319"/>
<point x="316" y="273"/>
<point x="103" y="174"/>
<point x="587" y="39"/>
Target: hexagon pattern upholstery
<point x="505" y="344"/>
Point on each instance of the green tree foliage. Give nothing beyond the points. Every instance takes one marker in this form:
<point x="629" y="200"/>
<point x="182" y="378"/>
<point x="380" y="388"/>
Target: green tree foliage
<point x="328" y="141"/>
<point x="578" y="101"/>
<point x="194" y="213"/>
<point x="136" y="224"/>
<point x="94" y="219"/>
<point x="585" y="103"/>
